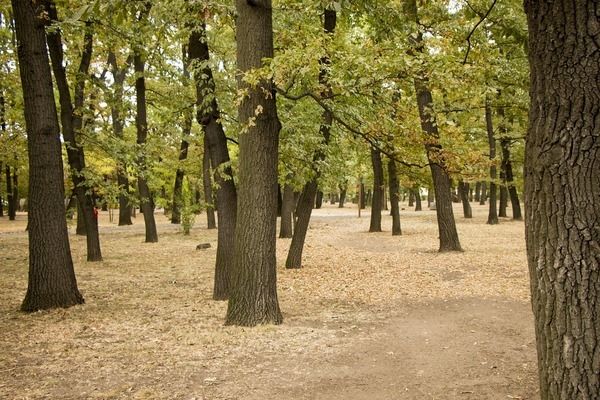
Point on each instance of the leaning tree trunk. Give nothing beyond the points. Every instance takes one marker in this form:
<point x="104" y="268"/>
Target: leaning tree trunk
<point x="562" y="195"/>
<point x="512" y="190"/>
<point x="209" y="117"/>
<point x="375" y="225"/>
<point x="394" y="197"/>
<point x="52" y="280"/>
<point x="253" y="295"/>
<point x="72" y="124"/>
<point x="493" y="212"/>
<point x="209" y="198"/>
<point x="141" y="123"/>
<point x="463" y="190"/>
<point x="287" y="209"/>
<point x="307" y="199"/>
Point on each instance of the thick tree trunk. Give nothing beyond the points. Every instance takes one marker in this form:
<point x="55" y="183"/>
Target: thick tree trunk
<point x="141" y="123"/>
<point x="394" y="198"/>
<point x="503" y="201"/>
<point x="493" y="211"/>
<point x="72" y="124"/>
<point x="52" y="280"/>
<point x="512" y="190"/>
<point x="463" y="190"/>
<point x="375" y="225"/>
<point x="253" y="297"/>
<point x="562" y="195"/>
<point x="287" y="209"/>
<point x="307" y="198"/>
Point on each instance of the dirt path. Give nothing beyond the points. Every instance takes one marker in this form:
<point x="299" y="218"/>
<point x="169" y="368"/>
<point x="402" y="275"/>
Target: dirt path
<point x="370" y="316"/>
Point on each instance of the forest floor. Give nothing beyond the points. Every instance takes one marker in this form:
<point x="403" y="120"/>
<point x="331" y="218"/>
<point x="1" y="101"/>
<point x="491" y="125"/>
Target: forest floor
<point x="370" y="316"/>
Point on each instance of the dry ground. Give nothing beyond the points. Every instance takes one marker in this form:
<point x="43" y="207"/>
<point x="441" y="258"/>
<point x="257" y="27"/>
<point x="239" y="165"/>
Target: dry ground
<point x="370" y="316"/>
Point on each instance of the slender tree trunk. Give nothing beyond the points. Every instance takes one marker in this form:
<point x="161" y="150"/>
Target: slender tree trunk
<point x="375" y="225"/>
<point x="394" y="198"/>
<point x="52" y="281"/>
<point x="10" y="195"/>
<point x="417" y="193"/>
<point x="484" y="194"/>
<point x="253" y="298"/>
<point x="72" y="124"/>
<point x="493" y="212"/>
<point x="477" y="191"/>
<point x="343" y="191"/>
<point x="503" y="201"/>
<point x="562" y="210"/>
<point x="430" y="196"/>
<point x="319" y="200"/>
<point x="463" y="189"/>
<point x="411" y="198"/>
<point x="362" y="197"/>
<point x="512" y="190"/>
<point x="287" y="209"/>
<point x="141" y="123"/>
<point x="307" y="199"/>
<point x="209" y="198"/>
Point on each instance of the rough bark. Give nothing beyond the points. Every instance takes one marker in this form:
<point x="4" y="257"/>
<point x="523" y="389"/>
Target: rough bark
<point x="72" y="124"/>
<point x="253" y="296"/>
<point x="307" y="198"/>
<point x="287" y="209"/>
<point x="375" y="225"/>
<point x="463" y="190"/>
<point x="141" y="124"/>
<point x="562" y="195"/>
<point x="493" y="211"/>
<point x="394" y="198"/>
<point x="51" y="280"/>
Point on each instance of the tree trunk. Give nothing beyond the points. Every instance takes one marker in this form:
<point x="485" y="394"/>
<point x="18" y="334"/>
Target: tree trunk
<point x="209" y="117"/>
<point x="430" y="196"/>
<point x="478" y="191"/>
<point x="119" y="74"/>
<point x="10" y="195"/>
<point x="562" y="209"/>
<point x="307" y="198"/>
<point x="484" y="194"/>
<point x="503" y="201"/>
<point x="72" y="124"/>
<point x="362" y="198"/>
<point x="141" y="123"/>
<point x="209" y="198"/>
<point x="417" y="193"/>
<point x="253" y="297"/>
<point x="319" y="200"/>
<point x="394" y="197"/>
<point x="287" y="209"/>
<point x="52" y="281"/>
<point x="80" y="227"/>
<point x="411" y="198"/>
<point x="493" y="212"/>
<point x="463" y="189"/>
<point x="343" y="191"/>
<point x="512" y="190"/>
<point x="375" y="225"/>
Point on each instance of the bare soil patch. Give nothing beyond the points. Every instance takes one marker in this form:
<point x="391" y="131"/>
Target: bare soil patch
<point x="370" y="316"/>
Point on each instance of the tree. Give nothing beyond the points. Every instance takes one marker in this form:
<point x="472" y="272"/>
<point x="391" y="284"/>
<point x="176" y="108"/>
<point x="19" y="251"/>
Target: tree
<point x="375" y="225"/>
<point x="141" y="123"/>
<point x="72" y="124"/>
<point x="52" y="281"/>
<point x="493" y="210"/>
<point x="562" y="195"/>
<point x="253" y="296"/>
<point x="394" y="198"/>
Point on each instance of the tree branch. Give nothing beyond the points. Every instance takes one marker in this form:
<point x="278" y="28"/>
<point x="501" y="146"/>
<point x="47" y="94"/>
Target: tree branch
<point x="481" y="19"/>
